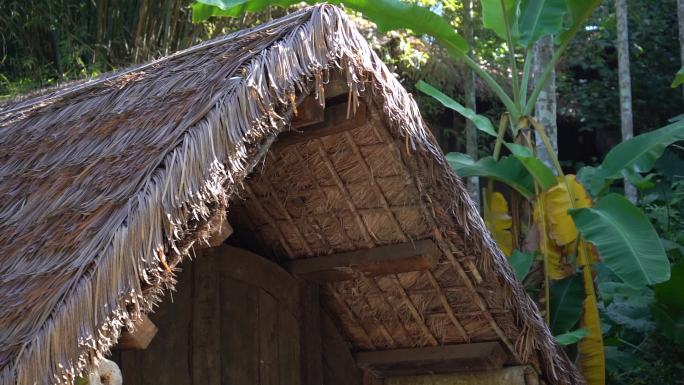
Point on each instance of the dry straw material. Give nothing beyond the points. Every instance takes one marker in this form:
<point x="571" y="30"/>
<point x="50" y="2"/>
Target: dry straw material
<point x="106" y="185"/>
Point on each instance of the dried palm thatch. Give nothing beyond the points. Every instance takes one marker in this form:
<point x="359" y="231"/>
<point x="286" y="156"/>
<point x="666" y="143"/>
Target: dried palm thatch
<point x="108" y="184"/>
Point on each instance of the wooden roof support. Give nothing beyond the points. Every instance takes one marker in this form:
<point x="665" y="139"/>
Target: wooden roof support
<point x="370" y="281"/>
<point x="381" y="260"/>
<point x="345" y="193"/>
<point x="435" y="359"/>
<point x="445" y="304"/>
<point x="144" y="332"/>
<point x="350" y="314"/>
<point x="374" y="185"/>
<point x="445" y="246"/>
<point x="288" y="217"/>
<point x="414" y="311"/>
<point x="337" y="120"/>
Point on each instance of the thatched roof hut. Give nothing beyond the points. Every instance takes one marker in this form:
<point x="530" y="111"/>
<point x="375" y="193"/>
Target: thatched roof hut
<point x="108" y="185"/>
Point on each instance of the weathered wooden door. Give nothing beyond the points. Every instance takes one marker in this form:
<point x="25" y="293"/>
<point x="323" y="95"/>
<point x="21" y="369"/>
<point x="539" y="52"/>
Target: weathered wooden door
<point x="232" y="321"/>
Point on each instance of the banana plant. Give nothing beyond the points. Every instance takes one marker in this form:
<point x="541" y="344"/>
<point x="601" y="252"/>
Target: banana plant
<point x="575" y="223"/>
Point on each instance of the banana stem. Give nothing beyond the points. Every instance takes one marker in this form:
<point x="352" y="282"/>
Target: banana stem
<point x="545" y="242"/>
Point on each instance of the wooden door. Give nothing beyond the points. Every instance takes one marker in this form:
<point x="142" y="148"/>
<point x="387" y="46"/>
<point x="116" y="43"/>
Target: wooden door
<point x="232" y="321"/>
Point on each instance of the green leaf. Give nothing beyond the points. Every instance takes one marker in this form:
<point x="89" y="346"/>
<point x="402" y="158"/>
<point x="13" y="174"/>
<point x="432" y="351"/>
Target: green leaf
<point x="670" y="294"/>
<point x="539" y="171"/>
<point x="639" y="181"/>
<point x="641" y="152"/>
<point x="481" y="122"/>
<point x="387" y="14"/>
<point x="493" y="16"/>
<point x="620" y="360"/>
<point x="632" y="311"/>
<point x="678" y="79"/>
<point x="521" y="263"/>
<point x="625" y="239"/>
<point x="579" y="12"/>
<point x="671" y="326"/>
<point x="591" y="178"/>
<point x="610" y="290"/>
<point x="572" y="337"/>
<point x="507" y="170"/>
<point x="539" y="18"/>
<point x="567" y="297"/>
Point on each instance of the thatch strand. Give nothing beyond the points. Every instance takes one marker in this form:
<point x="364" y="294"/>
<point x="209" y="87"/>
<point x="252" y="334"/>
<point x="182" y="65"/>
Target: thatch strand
<point x="108" y="184"/>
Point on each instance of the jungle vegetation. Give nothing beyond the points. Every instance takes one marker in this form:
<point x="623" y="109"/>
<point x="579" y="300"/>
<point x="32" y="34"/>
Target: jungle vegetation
<point x="534" y="101"/>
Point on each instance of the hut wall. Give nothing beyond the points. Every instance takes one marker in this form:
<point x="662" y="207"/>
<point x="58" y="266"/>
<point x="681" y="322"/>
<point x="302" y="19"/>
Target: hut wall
<point x="233" y="320"/>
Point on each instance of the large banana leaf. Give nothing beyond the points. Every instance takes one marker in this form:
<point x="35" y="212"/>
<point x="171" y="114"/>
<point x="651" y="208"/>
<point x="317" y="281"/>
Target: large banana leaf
<point x="625" y="239"/>
<point x="539" y="171"/>
<point x="539" y="18"/>
<point x="481" y="122"/>
<point x="567" y="298"/>
<point x="497" y="14"/>
<point x="507" y="170"/>
<point x="499" y="221"/>
<point x="592" y="356"/>
<point x="387" y="14"/>
<point x="578" y="12"/>
<point x="641" y="152"/>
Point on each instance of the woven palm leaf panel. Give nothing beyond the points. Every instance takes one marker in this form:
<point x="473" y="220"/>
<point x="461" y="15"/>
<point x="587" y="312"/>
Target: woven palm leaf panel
<point x="363" y="187"/>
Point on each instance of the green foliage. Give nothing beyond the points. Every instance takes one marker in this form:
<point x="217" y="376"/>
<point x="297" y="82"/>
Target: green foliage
<point x="539" y="171"/>
<point x="387" y="14"/>
<point x="498" y="14"/>
<point x="567" y="296"/>
<point x="540" y="18"/>
<point x="625" y="239"/>
<point x="481" y="122"/>
<point x="678" y="79"/>
<point x="587" y="79"/>
<point x="572" y="337"/>
<point x="637" y="155"/>
<point x="521" y="263"/>
<point x="507" y="170"/>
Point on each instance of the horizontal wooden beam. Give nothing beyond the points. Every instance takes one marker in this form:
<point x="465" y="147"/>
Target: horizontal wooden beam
<point x="382" y="260"/>
<point x="144" y="332"/>
<point x="509" y="375"/>
<point x="434" y="359"/>
<point x="335" y="121"/>
<point x="309" y="112"/>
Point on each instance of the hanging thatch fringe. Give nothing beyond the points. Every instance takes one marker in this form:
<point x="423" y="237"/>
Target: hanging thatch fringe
<point x="124" y="268"/>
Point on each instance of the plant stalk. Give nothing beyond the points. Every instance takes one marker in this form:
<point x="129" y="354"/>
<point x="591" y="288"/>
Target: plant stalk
<point x="505" y="99"/>
<point x="511" y="56"/>
<point x="527" y="70"/>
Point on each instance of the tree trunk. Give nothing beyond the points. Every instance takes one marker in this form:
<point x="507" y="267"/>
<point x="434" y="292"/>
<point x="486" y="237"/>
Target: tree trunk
<point x="545" y="108"/>
<point x="470" y="102"/>
<point x="680" y="18"/>
<point x="626" y="120"/>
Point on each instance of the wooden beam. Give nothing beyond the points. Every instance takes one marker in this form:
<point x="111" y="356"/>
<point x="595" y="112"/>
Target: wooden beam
<point x="336" y="120"/>
<point x="510" y="375"/>
<point x="309" y="112"/>
<point x="434" y="359"/>
<point x="145" y="330"/>
<point x="382" y="260"/>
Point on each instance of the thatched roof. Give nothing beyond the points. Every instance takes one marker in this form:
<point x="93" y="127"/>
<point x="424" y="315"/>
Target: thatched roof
<point x="108" y="184"/>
